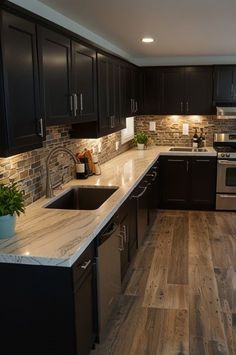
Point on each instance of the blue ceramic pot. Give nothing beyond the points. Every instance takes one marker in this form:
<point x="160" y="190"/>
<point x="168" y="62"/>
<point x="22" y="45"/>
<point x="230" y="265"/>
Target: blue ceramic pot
<point x="7" y="226"/>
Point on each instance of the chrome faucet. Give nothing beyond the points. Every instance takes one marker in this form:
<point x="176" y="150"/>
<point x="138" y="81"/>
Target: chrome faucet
<point x="49" y="188"/>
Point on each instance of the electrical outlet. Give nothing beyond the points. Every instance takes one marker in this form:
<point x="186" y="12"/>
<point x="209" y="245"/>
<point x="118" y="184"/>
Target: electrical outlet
<point x="99" y="147"/>
<point x="185" y="129"/>
<point x="117" y="145"/>
<point x="152" y="126"/>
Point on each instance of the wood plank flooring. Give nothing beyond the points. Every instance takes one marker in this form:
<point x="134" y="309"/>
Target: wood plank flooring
<point x="180" y="297"/>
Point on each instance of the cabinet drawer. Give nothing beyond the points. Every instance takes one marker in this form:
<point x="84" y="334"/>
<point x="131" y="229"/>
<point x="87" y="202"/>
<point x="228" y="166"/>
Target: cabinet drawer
<point x="83" y="264"/>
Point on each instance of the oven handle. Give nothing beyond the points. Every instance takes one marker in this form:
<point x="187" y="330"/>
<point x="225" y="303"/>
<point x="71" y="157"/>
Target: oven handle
<point x="226" y="162"/>
<point x="227" y="196"/>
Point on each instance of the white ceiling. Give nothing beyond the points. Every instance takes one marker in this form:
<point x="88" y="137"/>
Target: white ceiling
<point x="181" y="28"/>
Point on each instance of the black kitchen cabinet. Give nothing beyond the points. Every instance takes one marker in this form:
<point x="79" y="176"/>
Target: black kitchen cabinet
<point x="203" y="182"/>
<point x="128" y="232"/>
<point x="173" y="91"/>
<point x="84" y="271"/>
<point x="108" y="94"/>
<point x="174" y="181"/>
<point x="132" y="104"/>
<point x="55" y="74"/>
<point x="188" y="182"/>
<point x="154" y="192"/>
<point x="187" y="91"/>
<point x="225" y="84"/>
<point x="152" y="91"/>
<point x="84" y="83"/>
<point x="21" y="126"/>
<point x="55" y="314"/>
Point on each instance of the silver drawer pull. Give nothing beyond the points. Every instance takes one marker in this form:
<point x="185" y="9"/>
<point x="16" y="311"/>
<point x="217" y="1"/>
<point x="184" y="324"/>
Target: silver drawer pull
<point x="85" y="265"/>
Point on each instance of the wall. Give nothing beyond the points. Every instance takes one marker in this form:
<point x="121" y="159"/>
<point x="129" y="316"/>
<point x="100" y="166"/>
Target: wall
<point x="28" y="169"/>
<point x="169" y="128"/>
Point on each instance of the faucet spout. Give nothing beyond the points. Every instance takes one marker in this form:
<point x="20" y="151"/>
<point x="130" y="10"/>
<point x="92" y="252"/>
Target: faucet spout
<point x="49" y="189"/>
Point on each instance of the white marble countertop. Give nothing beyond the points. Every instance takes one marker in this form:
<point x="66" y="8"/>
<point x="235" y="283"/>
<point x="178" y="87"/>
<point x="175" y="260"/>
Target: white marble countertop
<point x="58" y="237"/>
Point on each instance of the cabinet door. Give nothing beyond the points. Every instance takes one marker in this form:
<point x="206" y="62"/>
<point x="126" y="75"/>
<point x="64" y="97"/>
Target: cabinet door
<point x="152" y="88"/>
<point x="173" y="91"/>
<point x="84" y="82"/>
<point x="198" y="91"/>
<point x="84" y="271"/>
<point x="203" y="182"/>
<point x="223" y="84"/>
<point x="116" y="98"/>
<point x="103" y="94"/>
<point x="55" y="70"/>
<point x="122" y="74"/>
<point x="175" y="182"/>
<point x="124" y="255"/>
<point x="21" y="90"/>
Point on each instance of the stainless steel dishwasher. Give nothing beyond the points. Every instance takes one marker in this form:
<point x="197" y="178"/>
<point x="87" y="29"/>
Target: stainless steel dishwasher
<point x="110" y="244"/>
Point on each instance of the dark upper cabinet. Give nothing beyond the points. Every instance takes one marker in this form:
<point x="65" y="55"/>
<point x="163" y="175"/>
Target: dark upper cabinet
<point x="198" y="90"/>
<point x="108" y="94"/>
<point x="187" y="91"/>
<point x="84" y="84"/>
<point x="152" y="91"/>
<point x="225" y="84"/>
<point x="132" y="104"/>
<point x="21" y="126"/>
<point x="55" y="73"/>
<point x="173" y="91"/>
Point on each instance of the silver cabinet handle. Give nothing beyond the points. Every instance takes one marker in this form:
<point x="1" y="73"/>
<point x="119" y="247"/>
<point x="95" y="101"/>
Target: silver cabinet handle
<point x="131" y="105"/>
<point x="181" y="106"/>
<point x="232" y="89"/>
<point x="81" y="102"/>
<point x="121" y="247"/>
<point x="187" y="108"/>
<point x="178" y="160"/>
<point x="141" y="194"/>
<point x="136" y="106"/>
<point x="202" y="161"/>
<point x="41" y="127"/>
<point x="187" y="165"/>
<point x="125" y="234"/>
<point x="71" y="103"/>
<point x="85" y="265"/>
<point x="112" y="121"/>
<point x="75" y="105"/>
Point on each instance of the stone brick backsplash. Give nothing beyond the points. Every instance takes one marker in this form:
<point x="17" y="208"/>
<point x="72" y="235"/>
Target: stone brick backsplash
<point x="28" y="169"/>
<point x="169" y="128"/>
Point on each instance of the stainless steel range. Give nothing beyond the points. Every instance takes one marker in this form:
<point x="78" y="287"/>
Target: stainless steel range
<point x="225" y="145"/>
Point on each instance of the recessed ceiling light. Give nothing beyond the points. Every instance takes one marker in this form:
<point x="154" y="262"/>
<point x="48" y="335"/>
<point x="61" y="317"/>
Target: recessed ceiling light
<point x="147" y="40"/>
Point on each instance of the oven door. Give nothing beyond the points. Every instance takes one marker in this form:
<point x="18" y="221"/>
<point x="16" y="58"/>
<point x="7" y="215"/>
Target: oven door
<point x="226" y="176"/>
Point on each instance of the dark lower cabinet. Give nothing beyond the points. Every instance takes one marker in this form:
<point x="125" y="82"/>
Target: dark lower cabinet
<point x="203" y="182"/>
<point x="174" y="181"/>
<point x="47" y="309"/>
<point x="154" y="192"/>
<point x="188" y="182"/>
<point x="21" y="126"/>
<point x="128" y="232"/>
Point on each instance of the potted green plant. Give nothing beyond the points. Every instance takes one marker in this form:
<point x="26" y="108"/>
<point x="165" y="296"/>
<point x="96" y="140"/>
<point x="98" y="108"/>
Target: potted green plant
<point x="11" y="204"/>
<point x="141" y="139"/>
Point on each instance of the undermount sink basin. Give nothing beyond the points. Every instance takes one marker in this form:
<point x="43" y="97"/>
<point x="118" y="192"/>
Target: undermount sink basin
<point x="82" y="198"/>
<point x="186" y="149"/>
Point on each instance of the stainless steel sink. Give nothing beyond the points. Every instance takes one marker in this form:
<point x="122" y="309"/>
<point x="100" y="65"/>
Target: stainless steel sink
<point x="187" y="149"/>
<point x="82" y="198"/>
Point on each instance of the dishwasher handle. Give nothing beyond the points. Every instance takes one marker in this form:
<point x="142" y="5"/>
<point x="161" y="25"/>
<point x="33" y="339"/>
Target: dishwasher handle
<point x="110" y="230"/>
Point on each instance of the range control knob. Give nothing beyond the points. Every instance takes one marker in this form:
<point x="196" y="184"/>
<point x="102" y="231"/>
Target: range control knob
<point x="228" y="155"/>
<point x="222" y="155"/>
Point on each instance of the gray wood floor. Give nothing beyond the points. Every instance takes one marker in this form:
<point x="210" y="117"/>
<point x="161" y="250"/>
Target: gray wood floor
<point x="180" y="297"/>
